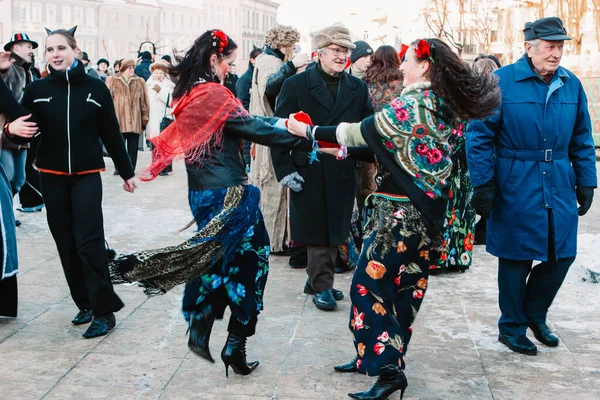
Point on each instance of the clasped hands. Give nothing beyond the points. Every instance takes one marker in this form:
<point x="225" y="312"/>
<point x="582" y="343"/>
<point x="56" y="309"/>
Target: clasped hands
<point x="298" y="128"/>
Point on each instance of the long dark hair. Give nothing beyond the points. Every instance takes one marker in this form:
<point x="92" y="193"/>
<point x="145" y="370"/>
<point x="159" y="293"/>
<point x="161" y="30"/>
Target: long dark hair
<point x="195" y="64"/>
<point x="385" y="67"/>
<point x="469" y="94"/>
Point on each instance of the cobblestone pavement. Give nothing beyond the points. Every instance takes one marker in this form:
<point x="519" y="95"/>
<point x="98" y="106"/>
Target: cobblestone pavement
<point x="454" y="353"/>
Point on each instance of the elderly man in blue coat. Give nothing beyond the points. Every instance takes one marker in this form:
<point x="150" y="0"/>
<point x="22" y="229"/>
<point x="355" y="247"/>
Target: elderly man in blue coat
<point x="531" y="164"/>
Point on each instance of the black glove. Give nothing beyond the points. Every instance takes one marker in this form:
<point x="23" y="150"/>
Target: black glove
<point x="483" y="199"/>
<point x="585" y="195"/>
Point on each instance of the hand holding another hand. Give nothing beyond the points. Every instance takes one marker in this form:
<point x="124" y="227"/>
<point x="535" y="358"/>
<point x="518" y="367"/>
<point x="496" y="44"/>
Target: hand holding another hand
<point x="22" y="128"/>
<point x="296" y="127"/>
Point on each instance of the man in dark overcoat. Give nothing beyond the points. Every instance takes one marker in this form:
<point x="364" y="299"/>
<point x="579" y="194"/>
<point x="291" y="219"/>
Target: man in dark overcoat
<point x="322" y="192"/>
<point x="531" y="164"/>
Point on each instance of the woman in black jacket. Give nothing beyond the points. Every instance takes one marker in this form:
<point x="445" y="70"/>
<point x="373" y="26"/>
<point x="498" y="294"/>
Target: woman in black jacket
<point x="227" y="261"/>
<point x="73" y="112"/>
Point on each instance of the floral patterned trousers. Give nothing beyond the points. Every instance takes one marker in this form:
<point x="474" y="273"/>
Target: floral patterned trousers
<point x="241" y="282"/>
<point x="388" y="286"/>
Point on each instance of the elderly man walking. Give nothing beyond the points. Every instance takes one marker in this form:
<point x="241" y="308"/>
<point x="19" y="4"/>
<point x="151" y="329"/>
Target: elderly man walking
<point x="531" y="164"/>
<point x="322" y="195"/>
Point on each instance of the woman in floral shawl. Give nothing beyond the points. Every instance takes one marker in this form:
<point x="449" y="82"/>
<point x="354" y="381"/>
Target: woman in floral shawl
<point x="415" y="140"/>
<point x="227" y="261"/>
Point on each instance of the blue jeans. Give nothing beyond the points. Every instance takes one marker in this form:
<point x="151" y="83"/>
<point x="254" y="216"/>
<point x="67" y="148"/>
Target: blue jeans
<point x="13" y="162"/>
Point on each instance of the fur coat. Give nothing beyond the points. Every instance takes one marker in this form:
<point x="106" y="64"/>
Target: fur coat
<point x="131" y="102"/>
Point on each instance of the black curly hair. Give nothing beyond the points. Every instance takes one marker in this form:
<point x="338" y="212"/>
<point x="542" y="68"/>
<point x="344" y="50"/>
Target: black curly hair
<point x="470" y="94"/>
<point x="195" y="64"/>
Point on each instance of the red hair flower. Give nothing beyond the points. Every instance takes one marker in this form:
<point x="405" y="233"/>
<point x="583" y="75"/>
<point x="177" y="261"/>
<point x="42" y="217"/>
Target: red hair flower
<point x="423" y="50"/>
<point x="222" y="40"/>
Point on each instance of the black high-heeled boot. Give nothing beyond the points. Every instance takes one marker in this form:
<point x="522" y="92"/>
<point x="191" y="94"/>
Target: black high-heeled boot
<point x="200" y="329"/>
<point x="234" y="354"/>
<point x="384" y="387"/>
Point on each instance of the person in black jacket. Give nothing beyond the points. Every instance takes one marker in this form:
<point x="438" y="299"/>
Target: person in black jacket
<point x="143" y="68"/>
<point x="73" y="111"/>
<point x="226" y="263"/>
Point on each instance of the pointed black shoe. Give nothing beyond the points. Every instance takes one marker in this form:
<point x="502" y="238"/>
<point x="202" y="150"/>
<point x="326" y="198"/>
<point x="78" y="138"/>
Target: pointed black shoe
<point x="324" y="300"/>
<point x="383" y="388"/>
<point x="308" y="289"/>
<point x="520" y="344"/>
<point x="543" y="335"/>
<point x="100" y="326"/>
<point x="234" y="354"/>
<point x="350" y="367"/>
<point x="83" y="317"/>
<point x="200" y="329"/>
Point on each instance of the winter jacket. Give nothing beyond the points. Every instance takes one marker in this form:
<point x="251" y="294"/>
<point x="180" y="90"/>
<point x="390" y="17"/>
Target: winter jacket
<point x="143" y="69"/>
<point x="16" y="77"/>
<point x="244" y="85"/>
<point x="73" y="111"/>
<point x="158" y="104"/>
<point x="536" y="150"/>
<point x="329" y="189"/>
<point x="10" y="109"/>
<point x="269" y="74"/>
<point x="91" y="72"/>
<point x="230" y="83"/>
<point x="131" y="102"/>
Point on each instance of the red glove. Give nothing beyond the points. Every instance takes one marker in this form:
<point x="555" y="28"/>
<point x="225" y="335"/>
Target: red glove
<point x="301" y="116"/>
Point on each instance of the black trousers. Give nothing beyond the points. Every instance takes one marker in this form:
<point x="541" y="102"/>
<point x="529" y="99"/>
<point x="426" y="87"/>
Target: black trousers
<point x="9" y="297"/>
<point x="131" y="142"/>
<point x="321" y="266"/>
<point x="74" y="211"/>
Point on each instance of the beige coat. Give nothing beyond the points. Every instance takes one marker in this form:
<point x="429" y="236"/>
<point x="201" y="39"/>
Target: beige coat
<point x="273" y="196"/>
<point x="131" y="102"/>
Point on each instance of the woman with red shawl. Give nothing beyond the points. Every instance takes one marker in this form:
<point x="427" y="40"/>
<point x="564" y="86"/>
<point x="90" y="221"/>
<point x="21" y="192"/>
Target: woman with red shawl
<point x="226" y="262"/>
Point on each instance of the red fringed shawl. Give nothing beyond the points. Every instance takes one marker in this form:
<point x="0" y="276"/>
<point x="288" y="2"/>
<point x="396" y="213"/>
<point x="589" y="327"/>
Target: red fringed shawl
<point x="199" y="119"/>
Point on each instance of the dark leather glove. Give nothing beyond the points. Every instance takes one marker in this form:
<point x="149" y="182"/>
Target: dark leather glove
<point x="585" y="195"/>
<point x="483" y="199"/>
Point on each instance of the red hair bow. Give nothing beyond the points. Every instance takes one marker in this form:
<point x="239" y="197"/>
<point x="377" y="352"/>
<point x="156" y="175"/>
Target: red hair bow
<point x="222" y="38"/>
<point x="423" y="50"/>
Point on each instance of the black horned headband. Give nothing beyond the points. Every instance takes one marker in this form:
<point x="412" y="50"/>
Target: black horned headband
<point x="69" y="31"/>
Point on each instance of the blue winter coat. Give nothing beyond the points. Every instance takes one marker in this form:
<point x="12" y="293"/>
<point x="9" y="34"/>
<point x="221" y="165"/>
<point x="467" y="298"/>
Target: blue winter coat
<point x="537" y="149"/>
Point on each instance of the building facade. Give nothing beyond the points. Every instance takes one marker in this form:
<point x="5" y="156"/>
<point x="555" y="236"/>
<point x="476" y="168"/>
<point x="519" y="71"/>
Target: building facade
<point x="114" y="29"/>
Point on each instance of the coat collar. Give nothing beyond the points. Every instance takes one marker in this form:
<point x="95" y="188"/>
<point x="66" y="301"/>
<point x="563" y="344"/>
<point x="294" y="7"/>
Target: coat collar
<point x="524" y="71"/>
<point x="345" y="97"/>
<point x="74" y="74"/>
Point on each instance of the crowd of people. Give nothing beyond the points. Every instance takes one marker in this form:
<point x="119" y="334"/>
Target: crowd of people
<point x="351" y="158"/>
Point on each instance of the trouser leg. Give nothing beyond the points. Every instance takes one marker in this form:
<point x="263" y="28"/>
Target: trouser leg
<point x="321" y="266"/>
<point x="131" y="141"/>
<point x="57" y="194"/>
<point x="512" y="287"/>
<point x="88" y="227"/>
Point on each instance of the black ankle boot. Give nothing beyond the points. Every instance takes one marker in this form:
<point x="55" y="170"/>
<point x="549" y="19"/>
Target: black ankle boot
<point x="234" y="354"/>
<point x="200" y="329"/>
<point x="349" y="367"/>
<point x="384" y="387"/>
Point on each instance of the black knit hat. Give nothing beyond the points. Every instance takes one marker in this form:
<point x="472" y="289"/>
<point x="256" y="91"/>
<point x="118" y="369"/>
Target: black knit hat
<point x="102" y="60"/>
<point x="362" y="49"/>
<point x="167" y="58"/>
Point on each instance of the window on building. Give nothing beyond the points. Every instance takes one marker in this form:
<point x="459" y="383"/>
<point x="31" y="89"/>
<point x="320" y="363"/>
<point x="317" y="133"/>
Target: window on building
<point x="105" y="19"/>
<point x="129" y="21"/>
<point x="65" y="15"/>
<point x="50" y="14"/>
<point x="78" y="16"/>
<point x="174" y="20"/>
<point x="36" y="12"/>
<point x="115" y="20"/>
<point x="90" y="17"/>
<point x="25" y="11"/>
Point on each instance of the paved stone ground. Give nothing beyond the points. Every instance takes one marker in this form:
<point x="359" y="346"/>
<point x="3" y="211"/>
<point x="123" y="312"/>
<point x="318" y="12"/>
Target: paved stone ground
<point x="454" y="353"/>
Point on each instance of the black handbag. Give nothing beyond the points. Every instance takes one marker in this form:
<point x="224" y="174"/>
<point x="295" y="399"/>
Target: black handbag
<point x="165" y="121"/>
